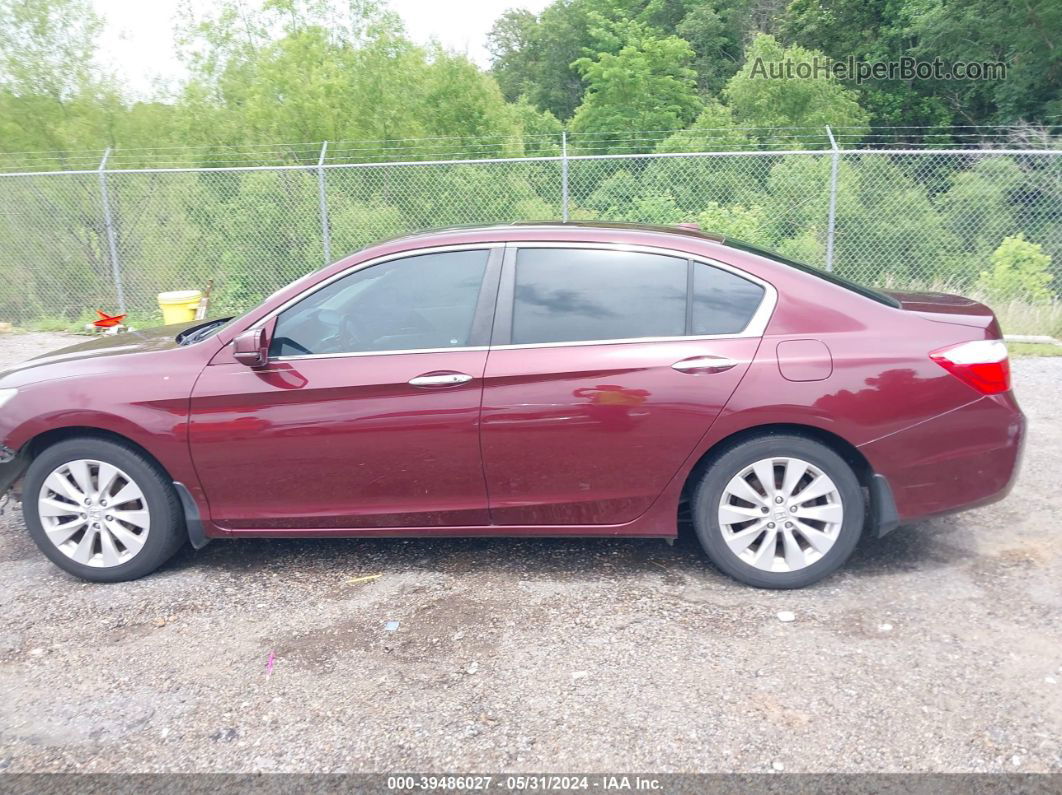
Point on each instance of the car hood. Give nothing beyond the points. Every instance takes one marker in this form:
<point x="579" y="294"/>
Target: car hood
<point x="143" y="341"/>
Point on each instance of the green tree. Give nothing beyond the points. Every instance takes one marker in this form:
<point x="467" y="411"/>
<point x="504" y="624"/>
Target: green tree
<point x="533" y="56"/>
<point x="813" y="102"/>
<point x="1018" y="34"/>
<point x="889" y="230"/>
<point x="459" y="101"/>
<point x="692" y="181"/>
<point x="511" y="43"/>
<point x="980" y="206"/>
<point x="749" y="224"/>
<point x="714" y="130"/>
<point x="647" y="85"/>
<point x="358" y="83"/>
<point x="715" y="31"/>
<point x="540" y="130"/>
<point x="52" y="93"/>
<point x="1024" y="35"/>
<point x="869" y="31"/>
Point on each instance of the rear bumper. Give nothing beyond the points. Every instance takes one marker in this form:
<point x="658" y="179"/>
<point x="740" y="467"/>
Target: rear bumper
<point x="968" y="457"/>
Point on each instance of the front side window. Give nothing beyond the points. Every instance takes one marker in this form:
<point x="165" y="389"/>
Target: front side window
<point x="572" y="295"/>
<point x="418" y="302"/>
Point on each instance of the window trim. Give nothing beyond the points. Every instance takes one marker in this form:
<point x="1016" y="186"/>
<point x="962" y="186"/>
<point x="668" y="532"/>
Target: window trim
<point x="482" y="317"/>
<point x="503" y="321"/>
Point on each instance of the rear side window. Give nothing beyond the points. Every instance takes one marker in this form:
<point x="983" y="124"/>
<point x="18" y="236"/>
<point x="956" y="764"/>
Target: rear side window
<point x="572" y="295"/>
<point x="723" y="303"/>
<point x="424" y="301"/>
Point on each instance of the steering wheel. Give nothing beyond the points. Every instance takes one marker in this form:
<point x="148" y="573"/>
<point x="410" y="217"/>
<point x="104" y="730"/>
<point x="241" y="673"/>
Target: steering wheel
<point x="333" y="333"/>
<point x="357" y="333"/>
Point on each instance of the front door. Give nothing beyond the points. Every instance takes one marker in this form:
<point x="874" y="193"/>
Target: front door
<point x="366" y="416"/>
<point x="609" y="368"/>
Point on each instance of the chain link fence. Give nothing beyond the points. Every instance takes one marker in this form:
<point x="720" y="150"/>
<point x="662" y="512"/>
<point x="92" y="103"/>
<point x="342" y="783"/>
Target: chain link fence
<point x="983" y="222"/>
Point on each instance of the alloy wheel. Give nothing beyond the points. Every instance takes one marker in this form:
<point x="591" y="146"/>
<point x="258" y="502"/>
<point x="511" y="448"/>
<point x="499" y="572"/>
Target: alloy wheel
<point x="94" y="513"/>
<point x="780" y="514"/>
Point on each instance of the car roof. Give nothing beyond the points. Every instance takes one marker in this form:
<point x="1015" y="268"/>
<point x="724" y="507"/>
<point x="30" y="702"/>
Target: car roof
<point x="686" y="229"/>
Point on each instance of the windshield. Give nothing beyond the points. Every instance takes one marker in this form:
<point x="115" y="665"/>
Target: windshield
<point x="833" y="278"/>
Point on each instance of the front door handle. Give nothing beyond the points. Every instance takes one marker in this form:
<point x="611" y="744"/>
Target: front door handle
<point x="704" y="364"/>
<point x="440" y="379"/>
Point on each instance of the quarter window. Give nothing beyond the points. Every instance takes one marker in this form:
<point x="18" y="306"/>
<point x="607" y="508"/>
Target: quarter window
<point x="571" y="295"/>
<point x="418" y="302"/>
<point x="723" y="303"/>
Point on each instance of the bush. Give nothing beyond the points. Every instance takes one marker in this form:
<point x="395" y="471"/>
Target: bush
<point x="1019" y="268"/>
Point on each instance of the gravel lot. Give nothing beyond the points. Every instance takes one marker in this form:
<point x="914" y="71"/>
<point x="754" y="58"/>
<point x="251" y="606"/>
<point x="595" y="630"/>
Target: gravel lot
<point x="938" y="648"/>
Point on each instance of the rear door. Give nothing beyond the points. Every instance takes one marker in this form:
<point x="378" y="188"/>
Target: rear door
<point x="606" y="367"/>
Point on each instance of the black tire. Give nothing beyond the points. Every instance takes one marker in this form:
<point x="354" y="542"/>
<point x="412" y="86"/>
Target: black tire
<point x="166" y="533"/>
<point x="709" y="492"/>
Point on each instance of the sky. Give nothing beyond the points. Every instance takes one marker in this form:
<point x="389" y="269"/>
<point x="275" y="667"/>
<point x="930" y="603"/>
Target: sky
<point x="137" y="41"/>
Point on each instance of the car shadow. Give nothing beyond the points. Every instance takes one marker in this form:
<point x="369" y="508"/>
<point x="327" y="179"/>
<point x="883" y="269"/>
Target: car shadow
<point x="555" y="558"/>
<point x="921" y="547"/>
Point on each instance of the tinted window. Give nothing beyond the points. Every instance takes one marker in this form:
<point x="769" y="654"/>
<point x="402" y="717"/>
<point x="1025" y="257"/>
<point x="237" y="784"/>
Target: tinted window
<point x="722" y="302"/>
<point x="568" y="295"/>
<point x="424" y="301"/>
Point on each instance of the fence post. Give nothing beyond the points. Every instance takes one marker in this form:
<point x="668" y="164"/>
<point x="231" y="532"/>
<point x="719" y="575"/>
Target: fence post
<point x="322" y="198"/>
<point x="112" y="240"/>
<point x="564" y="175"/>
<point x="831" y="223"/>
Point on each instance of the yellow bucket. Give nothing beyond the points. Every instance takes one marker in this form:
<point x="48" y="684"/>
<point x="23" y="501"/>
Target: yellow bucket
<point x="179" y="306"/>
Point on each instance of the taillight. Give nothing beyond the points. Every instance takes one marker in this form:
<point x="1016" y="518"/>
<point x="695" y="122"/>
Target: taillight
<point x="982" y="364"/>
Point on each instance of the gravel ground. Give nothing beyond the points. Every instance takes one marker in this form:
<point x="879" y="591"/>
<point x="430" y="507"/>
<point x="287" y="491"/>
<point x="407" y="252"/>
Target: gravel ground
<point x="938" y="648"/>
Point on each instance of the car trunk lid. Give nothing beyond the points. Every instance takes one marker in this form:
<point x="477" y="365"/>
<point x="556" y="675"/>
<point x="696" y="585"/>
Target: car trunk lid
<point x="947" y="308"/>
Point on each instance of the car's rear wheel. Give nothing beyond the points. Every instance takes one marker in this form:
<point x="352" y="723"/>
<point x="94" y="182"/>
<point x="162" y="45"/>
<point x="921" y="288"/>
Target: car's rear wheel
<point x="779" y="511"/>
<point x="101" y="510"/>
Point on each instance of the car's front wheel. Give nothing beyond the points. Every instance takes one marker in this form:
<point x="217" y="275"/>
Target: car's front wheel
<point x="778" y="511"/>
<point x="101" y="510"/>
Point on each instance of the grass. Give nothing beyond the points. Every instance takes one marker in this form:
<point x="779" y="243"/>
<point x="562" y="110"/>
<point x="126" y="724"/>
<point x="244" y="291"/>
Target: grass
<point x="1022" y="349"/>
<point x="58" y="323"/>
<point x="51" y="324"/>
<point x="1022" y="317"/>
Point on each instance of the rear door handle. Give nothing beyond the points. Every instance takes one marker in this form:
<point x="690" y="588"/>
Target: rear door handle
<point x="704" y="364"/>
<point x="440" y="379"/>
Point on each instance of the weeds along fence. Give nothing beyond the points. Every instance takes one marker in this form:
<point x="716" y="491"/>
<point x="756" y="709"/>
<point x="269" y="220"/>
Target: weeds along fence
<point x="979" y="221"/>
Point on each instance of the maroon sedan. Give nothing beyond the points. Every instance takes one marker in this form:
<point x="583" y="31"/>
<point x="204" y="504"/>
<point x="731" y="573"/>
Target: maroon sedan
<point x="523" y="380"/>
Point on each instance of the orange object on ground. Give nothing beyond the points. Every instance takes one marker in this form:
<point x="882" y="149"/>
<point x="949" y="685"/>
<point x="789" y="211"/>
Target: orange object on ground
<point x="108" y="321"/>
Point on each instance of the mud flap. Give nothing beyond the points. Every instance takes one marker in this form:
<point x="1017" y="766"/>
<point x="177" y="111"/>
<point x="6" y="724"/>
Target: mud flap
<point x="192" y="520"/>
<point x="883" y="514"/>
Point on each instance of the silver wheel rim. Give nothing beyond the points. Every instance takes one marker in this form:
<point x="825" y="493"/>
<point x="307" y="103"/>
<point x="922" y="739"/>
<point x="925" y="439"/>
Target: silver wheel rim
<point x="780" y="514"/>
<point x="94" y="513"/>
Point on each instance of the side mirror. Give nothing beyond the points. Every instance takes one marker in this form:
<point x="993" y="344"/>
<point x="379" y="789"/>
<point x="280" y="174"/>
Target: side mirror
<point x="251" y="347"/>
